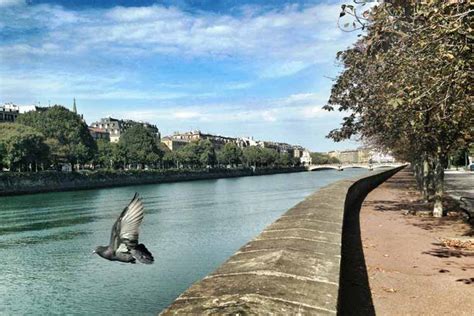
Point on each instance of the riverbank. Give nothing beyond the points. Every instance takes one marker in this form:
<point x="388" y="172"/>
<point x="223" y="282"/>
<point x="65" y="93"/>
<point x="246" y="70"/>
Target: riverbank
<point x="411" y="271"/>
<point x="29" y="183"/>
<point x="303" y="263"/>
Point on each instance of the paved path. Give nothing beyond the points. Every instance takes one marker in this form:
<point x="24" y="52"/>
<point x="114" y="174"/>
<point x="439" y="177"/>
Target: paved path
<point x="459" y="183"/>
<point x="410" y="271"/>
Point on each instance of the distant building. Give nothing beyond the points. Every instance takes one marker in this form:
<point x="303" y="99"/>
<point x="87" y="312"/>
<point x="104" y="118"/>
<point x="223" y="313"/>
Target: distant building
<point x="9" y="112"/>
<point x="379" y="157"/>
<point x="243" y="142"/>
<point x="98" y="133"/>
<point x="346" y="156"/>
<point x="74" y="106"/>
<point x="29" y="108"/>
<point x="217" y="141"/>
<point x="279" y="147"/>
<point x="364" y="155"/>
<point x="173" y="143"/>
<point x="361" y="155"/>
<point x="302" y="154"/>
<point x="179" y="140"/>
<point x="116" y="127"/>
<point x="298" y="151"/>
<point x="305" y="158"/>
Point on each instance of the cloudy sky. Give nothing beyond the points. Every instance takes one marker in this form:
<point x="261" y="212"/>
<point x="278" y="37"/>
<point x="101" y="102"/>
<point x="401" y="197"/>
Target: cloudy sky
<point x="236" y="68"/>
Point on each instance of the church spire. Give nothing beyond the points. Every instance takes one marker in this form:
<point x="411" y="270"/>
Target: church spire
<point x="74" y="108"/>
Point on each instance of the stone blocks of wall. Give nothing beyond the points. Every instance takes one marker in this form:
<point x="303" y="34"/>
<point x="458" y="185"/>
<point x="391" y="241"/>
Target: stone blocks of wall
<point x="293" y="266"/>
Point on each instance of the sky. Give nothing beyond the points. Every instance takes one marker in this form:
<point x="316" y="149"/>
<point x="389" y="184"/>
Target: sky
<point x="235" y="68"/>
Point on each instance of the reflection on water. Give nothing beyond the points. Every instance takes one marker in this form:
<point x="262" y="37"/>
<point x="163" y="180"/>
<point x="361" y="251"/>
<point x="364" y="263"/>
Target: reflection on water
<point x="191" y="227"/>
<point x="31" y="240"/>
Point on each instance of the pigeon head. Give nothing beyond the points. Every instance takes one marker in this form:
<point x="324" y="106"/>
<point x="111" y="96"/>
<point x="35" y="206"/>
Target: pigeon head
<point x="99" y="250"/>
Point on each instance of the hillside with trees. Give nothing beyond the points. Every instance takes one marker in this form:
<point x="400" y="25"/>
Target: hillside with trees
<point x="66" y="134"/>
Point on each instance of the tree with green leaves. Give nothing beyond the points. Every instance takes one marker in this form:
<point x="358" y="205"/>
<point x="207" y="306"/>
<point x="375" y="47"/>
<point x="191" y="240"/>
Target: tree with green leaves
<point x="140" y="147"/>
<point x="22" y="148"/>
<point x="406" y="85"/>
<point x="207" y="154"/>
<point x="251" y="155"/>
<point x="170" y="159"/>
<point x="232" y="154"/>
<point x="66" y="134"/>
<point x="197" y="154"/>
<point x="3" y="154"/>
<point x="323" y="159"/>
<point x="105" y="154"/>
<point x="189" y="155"/>
<point x="284" y="160"/>
<point x="268" y="157"/>
<point x="259" y="157"/>
<point x="460" y="157"/>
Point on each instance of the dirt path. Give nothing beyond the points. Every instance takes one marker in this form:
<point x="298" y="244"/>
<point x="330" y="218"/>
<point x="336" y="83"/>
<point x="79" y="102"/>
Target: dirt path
<point x="410" y="271"/>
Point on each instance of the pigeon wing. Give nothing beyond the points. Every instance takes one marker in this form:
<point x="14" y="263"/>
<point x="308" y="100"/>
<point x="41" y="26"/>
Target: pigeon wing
<point x="126" y="227"/>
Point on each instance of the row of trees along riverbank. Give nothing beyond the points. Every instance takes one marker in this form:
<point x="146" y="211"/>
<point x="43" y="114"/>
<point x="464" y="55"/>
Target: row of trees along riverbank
<point x="55" y="136"/>
<point x="407" y="83"/>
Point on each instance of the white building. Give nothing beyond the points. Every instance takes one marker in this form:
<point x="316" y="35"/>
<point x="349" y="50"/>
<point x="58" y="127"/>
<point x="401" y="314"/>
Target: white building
<point x="305" y="159"/>
<point x="380" y="157"/>
<point x="9" y="112"/>
<point x="27" y="108"/>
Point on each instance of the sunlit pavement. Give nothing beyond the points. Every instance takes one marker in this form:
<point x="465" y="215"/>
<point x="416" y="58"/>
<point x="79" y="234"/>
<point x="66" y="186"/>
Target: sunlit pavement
<point x="459" y="183"/>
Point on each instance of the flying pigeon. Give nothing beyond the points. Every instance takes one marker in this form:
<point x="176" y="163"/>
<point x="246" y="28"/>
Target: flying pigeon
<point x="124" y="246"/>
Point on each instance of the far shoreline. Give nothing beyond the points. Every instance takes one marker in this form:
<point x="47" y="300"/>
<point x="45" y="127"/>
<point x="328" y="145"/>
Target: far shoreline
<point x="13" y="184"/>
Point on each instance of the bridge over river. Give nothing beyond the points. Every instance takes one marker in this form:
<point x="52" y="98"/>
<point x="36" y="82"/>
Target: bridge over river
<point x="341" y="167"/>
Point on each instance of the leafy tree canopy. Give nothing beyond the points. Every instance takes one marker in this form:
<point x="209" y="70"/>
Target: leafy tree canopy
<point x="323" y="159"/>
<point x="232" y="154"/>
<point x="140" y="146"/>
<point x="21" y="146"/>
<point x="66" y="133"/>
<point x="406" y="83"/>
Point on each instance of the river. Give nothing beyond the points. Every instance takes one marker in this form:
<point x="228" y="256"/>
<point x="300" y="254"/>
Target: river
<point x="46" y="240"/>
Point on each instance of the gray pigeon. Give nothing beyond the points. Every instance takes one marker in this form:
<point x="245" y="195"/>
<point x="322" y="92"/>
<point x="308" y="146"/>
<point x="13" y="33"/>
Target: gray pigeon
<point x="124" y="244"/>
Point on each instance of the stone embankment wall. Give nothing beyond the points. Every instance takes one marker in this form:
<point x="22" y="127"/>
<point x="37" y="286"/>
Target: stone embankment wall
<point x="296" y="265"/>
<point x="27" y="183"/>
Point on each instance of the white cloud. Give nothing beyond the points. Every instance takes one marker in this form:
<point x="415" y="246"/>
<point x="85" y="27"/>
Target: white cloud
<point x="85" y="86"/>
<point x="298" y="107"/>
<point x="238" y="85"/>
<point x="7" y="3"/>
<point x="283" y="41"/>
<point x="282" y="70"/>
<point x="186" y="115"/>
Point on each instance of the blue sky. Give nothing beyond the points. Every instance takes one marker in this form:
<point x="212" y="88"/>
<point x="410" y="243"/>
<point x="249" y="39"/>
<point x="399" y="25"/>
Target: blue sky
<point x="236" y="68"/>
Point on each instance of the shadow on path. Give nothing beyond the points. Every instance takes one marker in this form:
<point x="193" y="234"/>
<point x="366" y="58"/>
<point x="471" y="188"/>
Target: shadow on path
<point x="444" y="252"/>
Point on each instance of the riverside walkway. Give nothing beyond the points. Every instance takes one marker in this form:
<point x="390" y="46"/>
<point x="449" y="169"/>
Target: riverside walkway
<point x="459" y="183"/>
<point x="305" y="262"/>
<point x="411" y="271"/>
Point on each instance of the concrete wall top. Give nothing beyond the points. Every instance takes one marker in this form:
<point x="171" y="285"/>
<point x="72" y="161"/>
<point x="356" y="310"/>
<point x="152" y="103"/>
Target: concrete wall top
<point x="292" y="267"/>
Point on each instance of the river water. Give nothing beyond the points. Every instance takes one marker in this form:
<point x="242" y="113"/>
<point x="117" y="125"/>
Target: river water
<point x="46" y="241"/>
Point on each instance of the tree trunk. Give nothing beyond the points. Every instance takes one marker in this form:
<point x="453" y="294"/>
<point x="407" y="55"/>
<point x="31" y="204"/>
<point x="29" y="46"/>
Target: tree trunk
<point x="438" y="186"/>
<point x="418" y="173"/>
<point x="426" y="178"/>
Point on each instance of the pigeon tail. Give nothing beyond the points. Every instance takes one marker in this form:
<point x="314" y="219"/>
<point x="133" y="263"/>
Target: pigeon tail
<point x="142" y="254"/>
